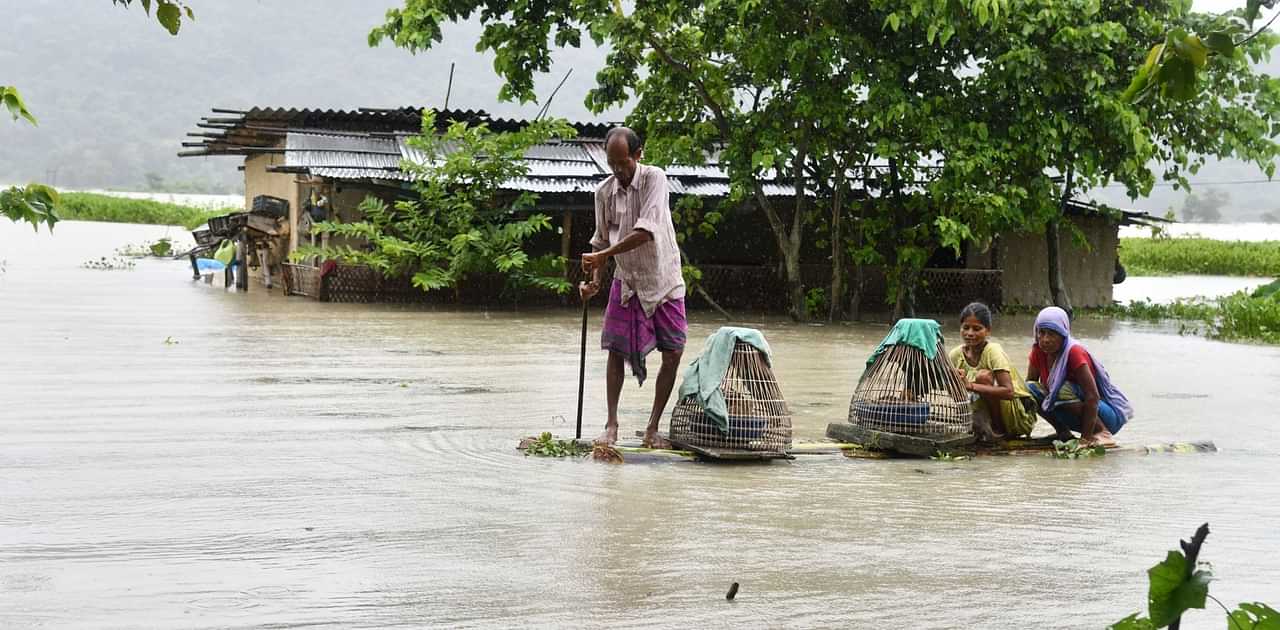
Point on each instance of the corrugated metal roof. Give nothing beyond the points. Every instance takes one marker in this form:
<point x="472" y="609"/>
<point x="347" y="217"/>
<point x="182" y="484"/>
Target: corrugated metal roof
<point x="553" y="167"/>
<point x="564" y="151"/>
<point x="303" y="141"/>
<point x="315" y="150"/>
<point x="552" y="185"/>
<point x="357" y="173"/>
<point x="562" y="168"/>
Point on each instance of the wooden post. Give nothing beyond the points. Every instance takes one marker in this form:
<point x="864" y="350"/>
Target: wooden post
<point x="566" y="238"/>
<point x="264" y="260"/>
<point x="1057" y="291"/>
<point x="242" y="262"/>
<point x="835" y="300"/>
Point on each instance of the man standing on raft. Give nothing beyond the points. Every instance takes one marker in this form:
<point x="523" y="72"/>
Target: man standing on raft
<point x="646" y="297"/>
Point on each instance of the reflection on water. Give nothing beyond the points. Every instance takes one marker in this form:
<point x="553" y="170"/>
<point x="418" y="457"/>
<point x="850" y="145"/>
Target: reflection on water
<point x="1216" y="231"/>
<point x="289" y="463"/>
<point x="1165" y="289"/>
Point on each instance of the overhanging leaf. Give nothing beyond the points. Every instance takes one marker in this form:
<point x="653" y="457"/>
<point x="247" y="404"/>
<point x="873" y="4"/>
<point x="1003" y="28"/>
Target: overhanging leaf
<point x="1193" y="50"/>
<point x="1220" y="42"/>
<point x="1255" y="616"/>
<point x="1172" y="591"/>
<point x="170" y="17"/>
<point x="1133" y="622"/>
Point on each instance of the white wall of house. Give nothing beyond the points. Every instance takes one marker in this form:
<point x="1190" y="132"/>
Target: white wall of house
<point x="259" y="181"/>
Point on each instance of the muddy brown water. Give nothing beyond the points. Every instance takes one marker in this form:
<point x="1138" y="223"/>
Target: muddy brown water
<point x="281" y="463"/>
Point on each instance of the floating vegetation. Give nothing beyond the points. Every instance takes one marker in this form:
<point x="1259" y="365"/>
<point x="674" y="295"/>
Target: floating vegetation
<point x="1200" y="256"/>
<point x="161" y="248"/>
<point x="606" y="453"/>
<point x="944" y="456"/>
<point x="115" y="263"/>
<point x="170" y="341"/>
<point x="1239" y="316"/>
<point x="94" y="207"/>
<point x="546" y="445"/>
<point x="1072" y="449"/>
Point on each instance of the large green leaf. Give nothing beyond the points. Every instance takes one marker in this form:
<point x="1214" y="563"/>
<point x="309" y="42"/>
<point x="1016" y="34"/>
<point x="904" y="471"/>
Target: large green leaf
<point x="1178" y="79"/>
<point x="13" y="102"/>
<point x="1133" y="622"/>
<point x="1255" y="616"/>
<point x="1174" y="589"/>
<point x="1192" y="49"/>
<point x="170" y="16"/>
<point x="1220" y="42"/>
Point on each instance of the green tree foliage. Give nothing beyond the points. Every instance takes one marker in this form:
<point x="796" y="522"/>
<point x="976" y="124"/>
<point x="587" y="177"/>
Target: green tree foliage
<point x="34" y="204"/>
<point x="169" y="13"/>
<point x="1206" y="208"/>
<point x="462" y="223"/>
<point x="1047" y="121"/>
<point x="13" y="102"/>
<point x="1173" y="66"/>
<point x="771" y="88"/>
<point x="986" y="115"/>
<point x="1181" y="583"/>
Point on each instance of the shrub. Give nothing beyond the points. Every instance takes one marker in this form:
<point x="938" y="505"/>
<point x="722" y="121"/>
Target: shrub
<point x="1164" y="256"/>
<point x="92" y="207"/>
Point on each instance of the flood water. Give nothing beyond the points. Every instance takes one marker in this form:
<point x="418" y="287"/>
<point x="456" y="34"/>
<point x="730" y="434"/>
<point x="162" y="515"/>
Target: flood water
<point x="175" y="455"/>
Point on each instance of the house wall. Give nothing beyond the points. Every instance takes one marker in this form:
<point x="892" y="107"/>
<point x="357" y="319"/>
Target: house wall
<point x="1086" y="272"/>
<point x="259" y="181"/>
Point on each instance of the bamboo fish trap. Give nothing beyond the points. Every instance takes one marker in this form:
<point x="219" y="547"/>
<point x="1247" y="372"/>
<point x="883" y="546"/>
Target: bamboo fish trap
<point x="758" y="416"/>
<point x="903" y="390"/>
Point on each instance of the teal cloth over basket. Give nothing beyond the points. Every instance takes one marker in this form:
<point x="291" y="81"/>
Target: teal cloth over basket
<point x="707" y="371"/>
<point x="924" y="334"/>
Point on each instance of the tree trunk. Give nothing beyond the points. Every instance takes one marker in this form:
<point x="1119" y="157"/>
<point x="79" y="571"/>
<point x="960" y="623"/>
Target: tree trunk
<point x="700" y="290"/>
<point x="1057" y="290"/>
<point x="836" y="297"/>
<point x="904" y="298"/>
<point x="855" y="293"/>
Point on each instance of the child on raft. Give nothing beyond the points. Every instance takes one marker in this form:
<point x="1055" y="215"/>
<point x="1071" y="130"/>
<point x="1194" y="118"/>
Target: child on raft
<point x="1073" y="392"/>
<point x="1002" y="405"/>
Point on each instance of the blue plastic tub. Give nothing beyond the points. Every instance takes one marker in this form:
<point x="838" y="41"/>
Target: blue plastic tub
<point x="740" y="427"/>
<point x="892" y="412"/>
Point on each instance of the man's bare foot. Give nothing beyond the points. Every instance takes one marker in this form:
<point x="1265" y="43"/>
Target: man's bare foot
<point x="610" y="435"/>
<point x="653" y="439"/>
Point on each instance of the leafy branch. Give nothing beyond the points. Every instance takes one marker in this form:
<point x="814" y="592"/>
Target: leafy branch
<point x="463" y="221"/>
<point x="169" y="13"/>
<point x="1181" y="583"/>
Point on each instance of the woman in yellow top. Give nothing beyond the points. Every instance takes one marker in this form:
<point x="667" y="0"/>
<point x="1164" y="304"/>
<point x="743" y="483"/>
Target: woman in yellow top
<point x="987" y="372"/>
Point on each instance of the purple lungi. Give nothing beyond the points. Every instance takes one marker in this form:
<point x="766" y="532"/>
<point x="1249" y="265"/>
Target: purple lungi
<point x="630" y="333"/>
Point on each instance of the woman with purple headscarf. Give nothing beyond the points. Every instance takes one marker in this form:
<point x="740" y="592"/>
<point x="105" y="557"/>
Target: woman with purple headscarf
<point x="1072" y="390"/>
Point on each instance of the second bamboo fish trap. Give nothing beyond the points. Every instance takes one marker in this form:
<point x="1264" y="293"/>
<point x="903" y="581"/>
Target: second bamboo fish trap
<point x="906" y="391"/>
<point x="758" y="418"/>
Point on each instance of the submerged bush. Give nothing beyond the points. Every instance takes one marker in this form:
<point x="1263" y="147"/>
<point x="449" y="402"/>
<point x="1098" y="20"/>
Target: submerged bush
<point x="1239" y="316"/>
<point x="93" y="207"/>
<point x="1164" y="256"/>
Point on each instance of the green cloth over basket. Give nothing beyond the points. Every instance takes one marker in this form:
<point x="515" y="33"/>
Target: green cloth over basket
<point x="924" y="334"/>
<point x="707" y="371"/>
